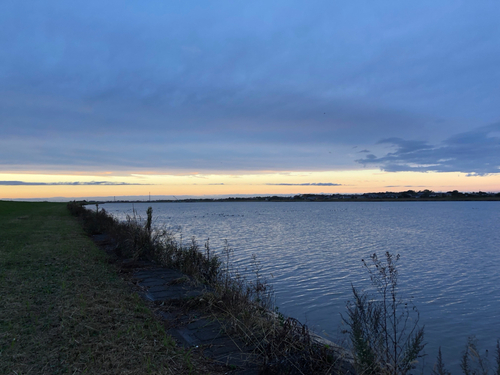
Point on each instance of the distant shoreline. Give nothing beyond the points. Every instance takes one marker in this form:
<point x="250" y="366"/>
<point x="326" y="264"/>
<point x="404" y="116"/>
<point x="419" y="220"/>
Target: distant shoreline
<point x="308" y="199"/>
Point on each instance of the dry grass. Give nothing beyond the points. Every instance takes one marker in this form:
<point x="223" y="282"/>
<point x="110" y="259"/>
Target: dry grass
<point x="64" y="310"/>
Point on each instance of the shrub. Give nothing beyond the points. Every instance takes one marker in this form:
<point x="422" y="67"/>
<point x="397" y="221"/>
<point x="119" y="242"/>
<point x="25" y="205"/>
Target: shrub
<point x="383" y="331"/>
<point x="94" y="222"/>
<point x="472" y="362"/>
<point x="439" y="368"/>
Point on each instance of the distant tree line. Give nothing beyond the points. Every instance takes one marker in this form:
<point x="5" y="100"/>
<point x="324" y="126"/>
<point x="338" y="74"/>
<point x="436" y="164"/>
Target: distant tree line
<point x="381" y="196"/>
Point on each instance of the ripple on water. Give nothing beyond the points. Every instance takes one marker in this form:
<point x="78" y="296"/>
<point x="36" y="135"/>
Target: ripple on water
<point x="449" y="258"/>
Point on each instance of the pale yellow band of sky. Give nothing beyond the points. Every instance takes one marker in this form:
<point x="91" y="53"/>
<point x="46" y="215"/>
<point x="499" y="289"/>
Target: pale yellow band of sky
<point x="360" y="181"/>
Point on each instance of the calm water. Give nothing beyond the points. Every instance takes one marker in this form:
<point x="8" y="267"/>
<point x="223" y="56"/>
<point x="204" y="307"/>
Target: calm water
<point x="311" y="253"/>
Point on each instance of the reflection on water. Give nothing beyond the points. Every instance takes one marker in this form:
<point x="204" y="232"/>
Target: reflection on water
<point x="312" y="252"/>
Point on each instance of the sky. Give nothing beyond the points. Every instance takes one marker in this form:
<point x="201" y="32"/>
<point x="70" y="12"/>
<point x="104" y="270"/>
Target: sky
<point x="177" y="98"/>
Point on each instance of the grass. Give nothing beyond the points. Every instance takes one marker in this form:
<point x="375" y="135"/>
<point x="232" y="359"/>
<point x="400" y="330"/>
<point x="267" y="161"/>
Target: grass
<point x="64" y="310"/>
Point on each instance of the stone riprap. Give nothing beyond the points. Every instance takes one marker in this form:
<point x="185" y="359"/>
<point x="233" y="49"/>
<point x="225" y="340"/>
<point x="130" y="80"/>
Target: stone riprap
<point x="167" y="288"/>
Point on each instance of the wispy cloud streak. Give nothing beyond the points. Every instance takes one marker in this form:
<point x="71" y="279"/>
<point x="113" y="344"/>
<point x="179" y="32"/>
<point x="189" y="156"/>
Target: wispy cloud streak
<point x="99" y="183"/>
<point x="308" y="184"/>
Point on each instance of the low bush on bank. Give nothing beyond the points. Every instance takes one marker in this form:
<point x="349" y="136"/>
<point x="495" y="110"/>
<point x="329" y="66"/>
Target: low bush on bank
<point x="383" y="329"/>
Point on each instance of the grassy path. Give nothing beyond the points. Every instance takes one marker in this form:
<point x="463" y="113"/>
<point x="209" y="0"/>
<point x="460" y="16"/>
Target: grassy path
<point x="64" y="310"/>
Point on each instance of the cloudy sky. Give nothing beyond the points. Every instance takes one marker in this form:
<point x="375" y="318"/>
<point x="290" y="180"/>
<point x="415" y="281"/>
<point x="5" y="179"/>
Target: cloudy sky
<point x="231" y="97"/>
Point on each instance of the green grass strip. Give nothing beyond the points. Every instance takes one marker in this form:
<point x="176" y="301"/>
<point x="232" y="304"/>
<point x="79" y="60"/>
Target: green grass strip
<point x="64" y="310"/>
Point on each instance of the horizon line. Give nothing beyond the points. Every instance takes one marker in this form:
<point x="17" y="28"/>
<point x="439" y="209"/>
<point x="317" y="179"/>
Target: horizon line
<point x="147" y="197"/>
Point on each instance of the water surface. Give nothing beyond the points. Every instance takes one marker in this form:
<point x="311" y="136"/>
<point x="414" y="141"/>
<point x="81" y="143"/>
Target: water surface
<point x="311" y="252"/>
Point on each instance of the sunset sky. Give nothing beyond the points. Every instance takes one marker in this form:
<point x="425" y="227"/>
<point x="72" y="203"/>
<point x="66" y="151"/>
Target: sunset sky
<point x="176" y="98"/>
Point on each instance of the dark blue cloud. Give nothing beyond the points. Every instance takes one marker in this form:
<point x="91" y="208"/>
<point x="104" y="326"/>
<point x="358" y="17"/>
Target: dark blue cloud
<point x="222" y="85"/>
<point x="101" y="183"/>
<point x="475" y="152"/>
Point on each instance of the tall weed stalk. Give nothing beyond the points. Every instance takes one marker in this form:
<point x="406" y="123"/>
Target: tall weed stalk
<point x="383" y="329"/>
